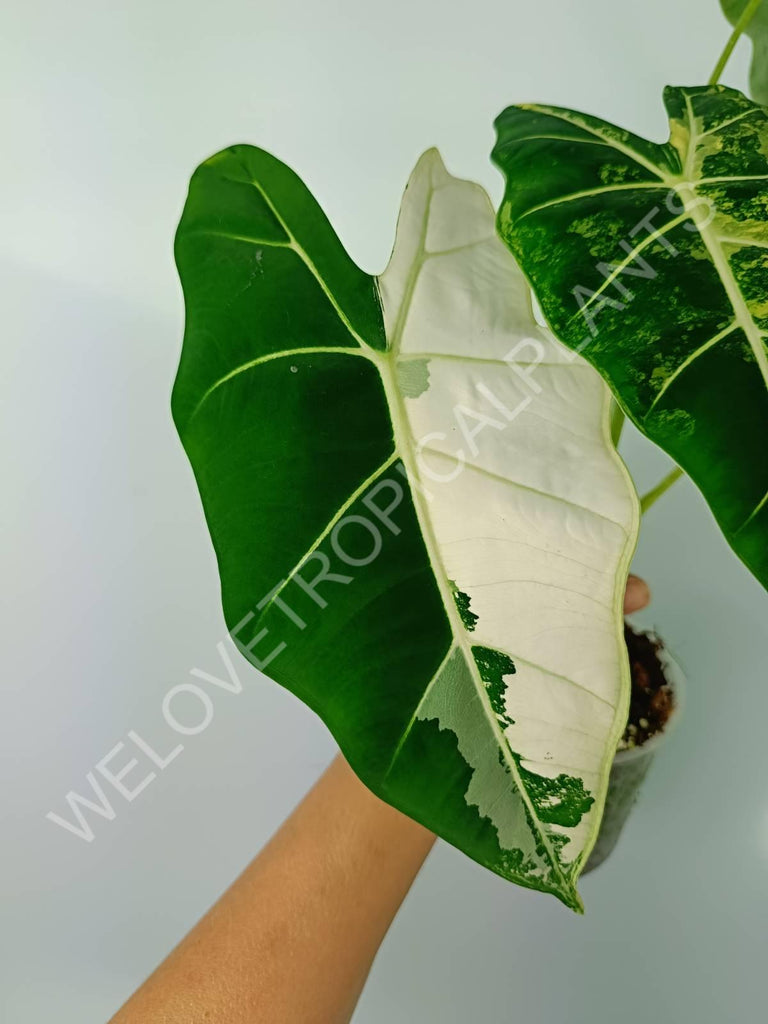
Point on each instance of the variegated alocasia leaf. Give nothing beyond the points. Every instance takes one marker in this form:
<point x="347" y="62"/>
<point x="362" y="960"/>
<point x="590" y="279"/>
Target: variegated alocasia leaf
<point x="421" y="526"/>
<point x="757" y="30"/>
<point x="653" y="261"/>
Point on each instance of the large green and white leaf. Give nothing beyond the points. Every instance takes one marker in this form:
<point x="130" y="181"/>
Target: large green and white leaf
<point x="653" y="260"/>
<point x="757" y="30"/>
<point x="421" y="527"/>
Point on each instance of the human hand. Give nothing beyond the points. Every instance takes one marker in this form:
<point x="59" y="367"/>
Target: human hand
<point x="636" y="596"/>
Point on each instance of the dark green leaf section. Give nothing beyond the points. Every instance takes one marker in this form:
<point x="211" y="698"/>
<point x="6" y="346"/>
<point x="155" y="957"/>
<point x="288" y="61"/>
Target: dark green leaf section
<point x="757" y="30"/>
<point x="468" y="617"/>
<point x="652" y="260"/>
<point x="249" y="220"/>
<point x="285" y="422"/>
<point x="559" y="801"/>
<point x="493" y="666"/>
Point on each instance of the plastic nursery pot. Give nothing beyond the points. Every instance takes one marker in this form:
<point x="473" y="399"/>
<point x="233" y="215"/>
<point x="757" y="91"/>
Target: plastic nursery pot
<point x="630" y="768"/>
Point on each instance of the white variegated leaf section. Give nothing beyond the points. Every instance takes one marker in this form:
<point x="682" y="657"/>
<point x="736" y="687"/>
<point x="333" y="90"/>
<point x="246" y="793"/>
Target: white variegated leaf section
<point x="526" y="510"/>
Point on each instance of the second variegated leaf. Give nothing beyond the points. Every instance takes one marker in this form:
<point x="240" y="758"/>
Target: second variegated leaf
<point x="652" y="260"/>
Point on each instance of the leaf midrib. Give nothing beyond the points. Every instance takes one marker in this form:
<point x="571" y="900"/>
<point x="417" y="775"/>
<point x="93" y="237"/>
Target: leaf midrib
<point x="397" y="411"/>
<point x="403" y="438"/>
<point x="735" y="295"/>
<point x="689" y="195"/>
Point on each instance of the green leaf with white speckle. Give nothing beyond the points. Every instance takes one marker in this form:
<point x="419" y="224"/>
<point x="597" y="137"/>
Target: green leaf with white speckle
<point x="421" y="525"/>
<point x="652" y="260"/>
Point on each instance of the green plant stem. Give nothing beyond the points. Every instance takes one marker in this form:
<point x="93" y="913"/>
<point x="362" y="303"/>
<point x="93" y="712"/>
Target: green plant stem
<point x="746" y="16"/>
<point x="656" y="492"/>
<point x="617" y="422"/>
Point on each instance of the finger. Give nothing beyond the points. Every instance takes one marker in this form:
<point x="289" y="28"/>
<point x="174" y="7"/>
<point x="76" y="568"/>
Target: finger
<point x="636" y="596"/>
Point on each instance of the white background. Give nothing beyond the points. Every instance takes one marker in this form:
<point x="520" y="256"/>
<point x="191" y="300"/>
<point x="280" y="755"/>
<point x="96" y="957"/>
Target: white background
<point x="110" y="592"/>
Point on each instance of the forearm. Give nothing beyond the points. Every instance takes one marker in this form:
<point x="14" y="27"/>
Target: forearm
<point x="293" y="939"/>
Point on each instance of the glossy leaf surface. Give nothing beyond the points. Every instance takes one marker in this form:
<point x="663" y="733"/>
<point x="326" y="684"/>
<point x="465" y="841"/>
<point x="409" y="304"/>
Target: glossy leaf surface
<point x="421" y="526"/>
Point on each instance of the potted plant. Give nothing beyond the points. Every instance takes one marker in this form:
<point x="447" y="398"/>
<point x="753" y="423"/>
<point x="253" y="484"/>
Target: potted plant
<point x="422" y="524"/>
